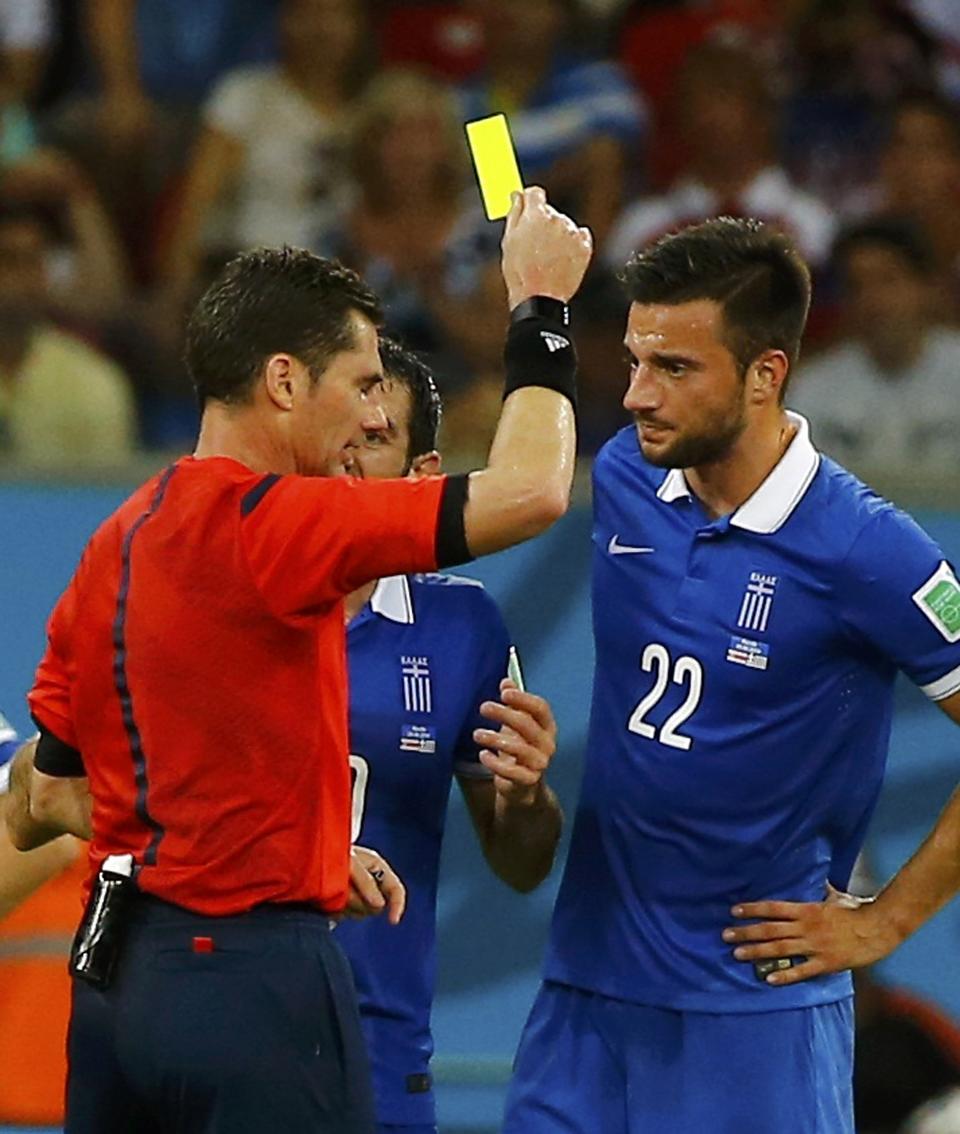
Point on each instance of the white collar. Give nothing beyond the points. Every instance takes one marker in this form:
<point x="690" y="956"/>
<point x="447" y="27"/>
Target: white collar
<point x="773" y="502"/>
<point x="391" y="598"/>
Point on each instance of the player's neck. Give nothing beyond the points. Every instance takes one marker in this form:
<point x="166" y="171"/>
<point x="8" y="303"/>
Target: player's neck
<point x="723" y="485"/>
<point x="357" y="600"/>
<point x="237" y="433"/>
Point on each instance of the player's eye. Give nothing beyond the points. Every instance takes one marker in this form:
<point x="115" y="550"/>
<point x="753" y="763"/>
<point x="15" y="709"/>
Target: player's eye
<point x="373" y="437"/>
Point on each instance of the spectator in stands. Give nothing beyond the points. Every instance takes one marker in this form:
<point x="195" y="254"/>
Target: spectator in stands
<point x="415" y="230"/>
<point x="576" y="123"/>
<point x="886" y="398"/>
<point x="87" y="273"/>
<point x="676" y="28"/>
<point x="62" y="404"/>
<point x="443" y="39"/>
<point x="266" y="168"/>
<point x="25" y="33"/>
<point x="151" y="54"/>
<point x="727" y="115"/>
<point x="154" y="61"/>
<point x="920" y="179"/>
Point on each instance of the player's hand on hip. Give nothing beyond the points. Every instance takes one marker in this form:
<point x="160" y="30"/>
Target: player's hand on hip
<point x="374" y="887"/>
<point x="520" y="751"/>
<point x="544" y="252"/>
<point x="841" y="932"/>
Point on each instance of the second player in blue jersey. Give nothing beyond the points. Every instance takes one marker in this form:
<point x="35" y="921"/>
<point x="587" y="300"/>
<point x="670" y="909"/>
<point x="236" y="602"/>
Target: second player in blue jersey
<point x="752" y="603"/>
<point x="425" y="652"/>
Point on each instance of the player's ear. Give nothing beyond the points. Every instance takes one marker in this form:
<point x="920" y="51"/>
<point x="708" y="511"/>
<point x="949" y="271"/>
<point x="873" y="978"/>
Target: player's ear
<point x="280" y="379"/>
<point x="427" y="464"/>
<point x="767" y="375"/>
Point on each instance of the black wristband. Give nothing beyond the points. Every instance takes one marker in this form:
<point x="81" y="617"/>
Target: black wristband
<point x="55" y="758"/>
<point x="542" y="307"/>
<point x="540" y="352"/>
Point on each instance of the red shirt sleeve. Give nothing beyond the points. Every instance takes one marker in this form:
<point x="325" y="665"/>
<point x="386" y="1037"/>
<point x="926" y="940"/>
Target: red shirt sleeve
<point x="50" y="698"/>
<point x="311" y="540"/>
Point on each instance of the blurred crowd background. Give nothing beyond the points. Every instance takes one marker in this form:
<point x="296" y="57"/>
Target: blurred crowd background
<point x="144" y="142"/>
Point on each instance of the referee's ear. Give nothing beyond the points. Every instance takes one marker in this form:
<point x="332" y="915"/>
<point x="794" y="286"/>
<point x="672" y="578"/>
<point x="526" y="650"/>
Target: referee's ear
<point x="427" y="464"/>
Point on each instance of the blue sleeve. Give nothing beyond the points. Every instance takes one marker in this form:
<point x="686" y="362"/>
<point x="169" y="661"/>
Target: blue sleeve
<point x="9" y="741"/>
<point x="492" y="644"/>
<point x="900" y="594"/>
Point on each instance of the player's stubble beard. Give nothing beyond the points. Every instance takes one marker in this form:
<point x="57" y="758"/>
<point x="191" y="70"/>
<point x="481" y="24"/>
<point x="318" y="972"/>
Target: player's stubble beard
<point x="696" y="447"/>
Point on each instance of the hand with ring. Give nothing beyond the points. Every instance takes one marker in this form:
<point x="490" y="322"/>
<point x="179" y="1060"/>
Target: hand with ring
<point x="374" y="887"/>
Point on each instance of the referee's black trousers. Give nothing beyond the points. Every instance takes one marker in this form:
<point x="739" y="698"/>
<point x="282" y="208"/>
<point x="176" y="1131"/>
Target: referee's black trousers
<point x="240" y="1025"/>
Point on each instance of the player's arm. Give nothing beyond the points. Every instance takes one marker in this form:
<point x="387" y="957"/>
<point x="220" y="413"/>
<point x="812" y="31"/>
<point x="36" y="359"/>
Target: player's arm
<point x="516" y="815"/>
<point x="845" y="932"/>
<point x="41" y="807"/>
<point x="895" y="567"/>
<point x="526" y="484"/>
<point x="22" y="874"/>
<point x="311" y="540"/>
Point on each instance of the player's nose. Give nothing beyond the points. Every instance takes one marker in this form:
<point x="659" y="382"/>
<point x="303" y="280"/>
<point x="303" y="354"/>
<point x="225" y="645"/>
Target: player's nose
<point x="374" y="417"/>
<point x="643" y="394"/>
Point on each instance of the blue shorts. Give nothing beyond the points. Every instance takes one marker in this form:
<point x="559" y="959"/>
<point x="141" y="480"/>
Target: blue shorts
<point x="588" y="1063"/>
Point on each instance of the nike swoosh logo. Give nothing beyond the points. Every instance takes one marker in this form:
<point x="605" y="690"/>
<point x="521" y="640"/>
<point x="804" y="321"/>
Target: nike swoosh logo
<point x="615" y="547"/>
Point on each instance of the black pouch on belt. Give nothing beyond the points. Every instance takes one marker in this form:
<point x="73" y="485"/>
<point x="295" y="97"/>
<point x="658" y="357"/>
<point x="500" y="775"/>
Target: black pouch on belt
<point x="99" y="940"/>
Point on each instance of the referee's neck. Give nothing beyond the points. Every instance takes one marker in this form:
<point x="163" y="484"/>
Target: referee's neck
<point x="242" y="433"/>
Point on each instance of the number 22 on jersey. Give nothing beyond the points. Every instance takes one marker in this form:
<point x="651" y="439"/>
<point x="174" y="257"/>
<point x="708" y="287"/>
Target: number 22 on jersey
<point x="685" y="671"/>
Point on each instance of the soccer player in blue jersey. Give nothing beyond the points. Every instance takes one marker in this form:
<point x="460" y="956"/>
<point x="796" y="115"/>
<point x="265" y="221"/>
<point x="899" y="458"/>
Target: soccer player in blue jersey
<point x="426" y="654"/>
<point x="753" y="603"/>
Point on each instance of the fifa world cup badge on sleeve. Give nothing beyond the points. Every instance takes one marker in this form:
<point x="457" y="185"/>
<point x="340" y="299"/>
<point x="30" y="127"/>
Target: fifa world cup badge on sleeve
<point x="939" y="599"/>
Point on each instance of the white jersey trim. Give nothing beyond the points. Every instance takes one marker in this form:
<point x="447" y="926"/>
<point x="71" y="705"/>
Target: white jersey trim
<point x="944" y="686"/>
<point x="392" y="599"/>
<point x="769" y="508"/>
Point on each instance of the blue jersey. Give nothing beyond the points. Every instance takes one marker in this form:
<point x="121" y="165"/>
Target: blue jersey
<point x="741" y="716"/>
<point x="423" y="655"/>
<point x="8" y="746"/>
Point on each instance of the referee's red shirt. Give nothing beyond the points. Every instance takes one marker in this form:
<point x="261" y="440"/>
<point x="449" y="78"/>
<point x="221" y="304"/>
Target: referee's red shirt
<point x="197" y="662"/>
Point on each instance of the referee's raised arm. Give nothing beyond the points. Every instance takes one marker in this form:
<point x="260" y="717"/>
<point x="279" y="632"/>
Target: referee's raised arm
<point x="526" y="484"/>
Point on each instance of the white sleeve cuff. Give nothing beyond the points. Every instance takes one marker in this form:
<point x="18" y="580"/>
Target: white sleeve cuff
<point x="944" y="686"/>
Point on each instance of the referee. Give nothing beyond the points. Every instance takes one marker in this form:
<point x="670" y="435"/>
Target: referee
<point x="184" y="667"/>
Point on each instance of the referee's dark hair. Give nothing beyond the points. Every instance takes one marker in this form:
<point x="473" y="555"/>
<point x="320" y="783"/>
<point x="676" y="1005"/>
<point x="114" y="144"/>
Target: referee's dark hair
<point x="426" y="409"/>
<point x="272" y="301"/>
<point x="751" y="269"/>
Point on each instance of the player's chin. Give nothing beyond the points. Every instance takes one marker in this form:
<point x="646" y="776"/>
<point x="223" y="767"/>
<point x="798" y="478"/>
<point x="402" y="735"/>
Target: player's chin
<point x="658" y="450"/>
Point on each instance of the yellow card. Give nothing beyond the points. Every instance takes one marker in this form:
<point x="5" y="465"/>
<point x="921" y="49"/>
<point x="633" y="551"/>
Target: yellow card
<point x="495" y="162"/>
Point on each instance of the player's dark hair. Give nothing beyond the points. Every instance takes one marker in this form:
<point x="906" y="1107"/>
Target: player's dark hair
<point x="753" y="271"/>
<point x="898" y="235"/>
<point x="426" y="409"/>
<point x="271" y="301"/>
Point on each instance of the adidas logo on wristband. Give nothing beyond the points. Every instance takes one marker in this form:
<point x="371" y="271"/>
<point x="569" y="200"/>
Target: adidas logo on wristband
<point x="554" y="342"/>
